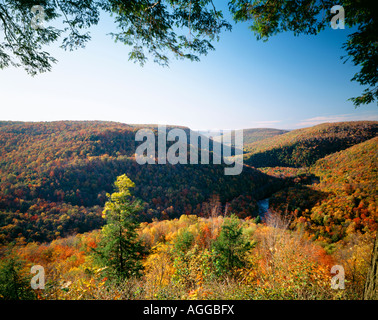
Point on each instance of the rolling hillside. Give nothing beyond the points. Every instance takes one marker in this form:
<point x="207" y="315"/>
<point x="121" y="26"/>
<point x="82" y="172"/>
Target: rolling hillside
<point x="52" y="192"/>
<point x="303" y="147"/>
<point x="342" y="201"/>
<point x="55" y="176"/>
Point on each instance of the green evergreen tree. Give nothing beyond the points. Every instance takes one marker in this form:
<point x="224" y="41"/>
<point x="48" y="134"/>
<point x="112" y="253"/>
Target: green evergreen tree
<point x="183" y="242"/>
<point x="230" y="247"/>
<point x="120" y="250"/>
<point x="14" y="282"/>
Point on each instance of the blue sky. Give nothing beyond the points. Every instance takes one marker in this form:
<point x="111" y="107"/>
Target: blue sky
<point x="288" y="82"/>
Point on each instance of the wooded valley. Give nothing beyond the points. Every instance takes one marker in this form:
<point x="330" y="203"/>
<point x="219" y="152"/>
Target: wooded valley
<point x="195" y="233"/>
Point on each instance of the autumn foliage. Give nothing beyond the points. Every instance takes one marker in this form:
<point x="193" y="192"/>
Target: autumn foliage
<point x="202" y="233"/>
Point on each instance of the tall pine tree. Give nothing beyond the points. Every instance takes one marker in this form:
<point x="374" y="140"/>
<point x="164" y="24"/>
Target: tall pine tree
<point x="120" y="250"/>
<point x="15" y="279"/>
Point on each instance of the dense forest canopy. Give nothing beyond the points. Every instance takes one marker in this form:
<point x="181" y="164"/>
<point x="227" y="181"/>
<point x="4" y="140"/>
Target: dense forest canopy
<point x="303" y="147"/>
<point x="55" y="176"/>
<point x="341" y="198"/>
<point x="194" y="233"/>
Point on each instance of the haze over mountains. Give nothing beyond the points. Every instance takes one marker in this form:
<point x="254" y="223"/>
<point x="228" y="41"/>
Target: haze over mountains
<point x="253" y="135"/>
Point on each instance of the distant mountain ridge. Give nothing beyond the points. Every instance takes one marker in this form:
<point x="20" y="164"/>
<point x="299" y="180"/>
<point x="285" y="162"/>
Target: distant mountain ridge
<point x="303" y="147"/>
<point x="253" y="135"/>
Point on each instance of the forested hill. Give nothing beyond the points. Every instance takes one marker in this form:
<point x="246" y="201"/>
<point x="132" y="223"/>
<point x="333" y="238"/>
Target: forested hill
<point x="303" y="147"/>
<point x="343" y="200"/>
<point x="54" y="177"/>
<point x="65" y="140"/>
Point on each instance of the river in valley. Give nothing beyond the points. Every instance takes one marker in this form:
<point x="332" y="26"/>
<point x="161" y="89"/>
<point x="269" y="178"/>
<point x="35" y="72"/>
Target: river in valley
<point x="263" y="207"/>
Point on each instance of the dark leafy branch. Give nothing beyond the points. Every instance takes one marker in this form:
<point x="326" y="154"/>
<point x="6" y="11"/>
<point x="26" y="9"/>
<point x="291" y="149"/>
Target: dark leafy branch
<point x="152" y="29"/>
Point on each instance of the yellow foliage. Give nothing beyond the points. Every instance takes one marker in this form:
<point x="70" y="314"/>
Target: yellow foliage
<point x="158" y="269"/>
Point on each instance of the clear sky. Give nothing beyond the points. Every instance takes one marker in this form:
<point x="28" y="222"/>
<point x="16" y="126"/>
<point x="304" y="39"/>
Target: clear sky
<point x="288" y="82"/>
